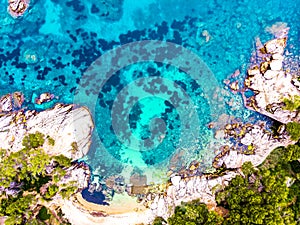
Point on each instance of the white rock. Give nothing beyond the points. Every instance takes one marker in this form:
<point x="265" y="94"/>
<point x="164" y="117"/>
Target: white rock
<point x="276" y="46"/>
<point x="64" y="123"/>
<point x="276" y="65"/>
<point x="277" y="56"/>
<point x="190" y="186"/>
<point x="182" y="184"/>
<point x="270" y="74"/>
<point x="6" y="103"/>
<point x="161" y="207"/>
<point x="175" y="180"/>
<point x="247" y="139"/>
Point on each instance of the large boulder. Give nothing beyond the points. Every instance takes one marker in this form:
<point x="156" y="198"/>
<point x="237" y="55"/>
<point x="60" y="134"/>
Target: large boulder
<point x="70" y="126"/>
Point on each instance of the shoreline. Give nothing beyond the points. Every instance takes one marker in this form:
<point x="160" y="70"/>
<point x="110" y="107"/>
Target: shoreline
<point x="179" y="188"/>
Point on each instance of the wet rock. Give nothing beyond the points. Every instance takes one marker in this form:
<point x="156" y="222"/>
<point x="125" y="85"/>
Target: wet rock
<point x="30" y="57"/>
<point x="18" y="99"/>
<point x="234" y="86"/>
<point x="44" y="97"/>
<point x="276" y="46"/>
<point x="10" y="102"/>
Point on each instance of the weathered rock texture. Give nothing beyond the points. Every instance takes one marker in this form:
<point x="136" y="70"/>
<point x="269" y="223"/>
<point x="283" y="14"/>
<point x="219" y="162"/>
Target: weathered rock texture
<point x="71" y="128"/>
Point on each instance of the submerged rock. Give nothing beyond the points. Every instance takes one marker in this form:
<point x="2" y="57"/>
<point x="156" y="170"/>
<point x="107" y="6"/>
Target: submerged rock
<point x="44" y="97"/>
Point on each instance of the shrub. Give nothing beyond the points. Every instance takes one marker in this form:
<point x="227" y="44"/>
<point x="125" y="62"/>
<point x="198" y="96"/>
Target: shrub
<point x="293" y="129"/>
<point x="33" y="140"/>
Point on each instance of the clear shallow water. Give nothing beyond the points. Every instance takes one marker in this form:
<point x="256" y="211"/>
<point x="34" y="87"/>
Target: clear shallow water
<point x="142" y="132"/>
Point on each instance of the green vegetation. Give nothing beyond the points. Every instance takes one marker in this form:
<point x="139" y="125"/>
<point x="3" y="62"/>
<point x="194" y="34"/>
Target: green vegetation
<point x="194" y="213"/>
<point x="292" y="104"/>
<point x="159" y="221"/>
<point x="269" y="194"/>
<point x="33" y="140"/>
<point x="293" y="129"/>
<point x="43" y="214"/>
<point x="74" y="146"/>
<point x="30" y="179"/>
<point x="51" y="141"/>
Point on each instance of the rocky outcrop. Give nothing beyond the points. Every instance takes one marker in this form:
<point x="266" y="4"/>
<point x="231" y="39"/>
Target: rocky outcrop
<point x="79" y="173"/>
<point x="185" y="190"/>
<point x="12" y="101"/>
<point x="70" y="127"/>
<point x="253" y="145"/>
<point x="271" y="84"/>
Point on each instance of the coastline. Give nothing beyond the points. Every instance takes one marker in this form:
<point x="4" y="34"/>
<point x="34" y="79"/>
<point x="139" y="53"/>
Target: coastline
<point x="179" y="189"/>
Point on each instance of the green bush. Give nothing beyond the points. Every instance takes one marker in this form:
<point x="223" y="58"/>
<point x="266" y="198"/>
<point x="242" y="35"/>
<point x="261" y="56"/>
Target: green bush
<point x="51" y="141"/>
<point x="28" y="169"/>
<point x="33" y="140"/>
<point x="293" y="129"/>
<point x="194" y="213"/>
<point x="43" y="214"/>
<point x="159" y="221"/>
<point x="292" y="104"/>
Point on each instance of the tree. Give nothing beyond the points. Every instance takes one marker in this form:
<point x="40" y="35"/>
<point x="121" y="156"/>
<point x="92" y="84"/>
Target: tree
<point x="268" y="194"/>
<point x="194" y="213"/>
<point x="263" y="196"/>
<point x="29" y="179"/>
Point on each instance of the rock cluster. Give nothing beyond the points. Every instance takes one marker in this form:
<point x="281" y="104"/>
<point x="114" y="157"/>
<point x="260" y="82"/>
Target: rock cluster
<point x="271" y="85"/>
<point x="17" y="8"/>
<point x="44" y="97"/>
<point x="262" y="142"/>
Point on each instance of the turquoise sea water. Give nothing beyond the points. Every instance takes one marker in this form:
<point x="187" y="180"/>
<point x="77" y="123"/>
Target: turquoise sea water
<point x="151" y="114"/>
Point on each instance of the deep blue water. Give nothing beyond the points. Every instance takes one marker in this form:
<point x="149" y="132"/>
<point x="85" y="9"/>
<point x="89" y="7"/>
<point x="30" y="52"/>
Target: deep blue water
<point x="95" y="197"/>
<point x="151" y="113"/>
